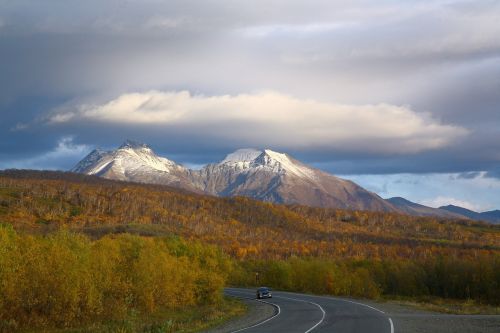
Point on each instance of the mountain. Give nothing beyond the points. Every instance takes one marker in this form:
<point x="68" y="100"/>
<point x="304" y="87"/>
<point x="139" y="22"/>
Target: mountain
<point x="415" y="209"/>
<point x="135" y="162"/>
<point x="265" y="175"/>
<point x="490" y="216"/>
<point x="276" y="177"/>
<point x="450" y="211"/>
<point x="462" y="211"/>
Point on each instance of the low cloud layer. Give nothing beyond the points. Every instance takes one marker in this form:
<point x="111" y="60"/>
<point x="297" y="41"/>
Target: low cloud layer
<point x="273" y="119"/>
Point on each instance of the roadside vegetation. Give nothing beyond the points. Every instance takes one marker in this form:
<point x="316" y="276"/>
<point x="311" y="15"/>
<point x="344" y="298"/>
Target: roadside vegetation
<point x="475" y="281"/>
<point x="65" y="279"/>
<point x="78" y="251"/>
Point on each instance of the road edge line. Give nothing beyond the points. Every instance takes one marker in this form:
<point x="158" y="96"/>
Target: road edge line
<point x="316" y="304"/>
<point x="264" y="321"/>
<point x="349" y="301"/>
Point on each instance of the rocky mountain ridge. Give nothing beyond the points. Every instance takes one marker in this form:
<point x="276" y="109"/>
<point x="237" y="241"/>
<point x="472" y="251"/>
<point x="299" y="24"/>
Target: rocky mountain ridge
<point x="265" y="175"/>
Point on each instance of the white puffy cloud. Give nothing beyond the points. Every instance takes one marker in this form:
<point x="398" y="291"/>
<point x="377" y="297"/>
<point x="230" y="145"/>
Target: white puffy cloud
<point x="276" y="120"/>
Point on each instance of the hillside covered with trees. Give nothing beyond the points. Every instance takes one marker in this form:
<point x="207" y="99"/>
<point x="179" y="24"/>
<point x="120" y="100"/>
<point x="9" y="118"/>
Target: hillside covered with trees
<point x="339" y="252"/>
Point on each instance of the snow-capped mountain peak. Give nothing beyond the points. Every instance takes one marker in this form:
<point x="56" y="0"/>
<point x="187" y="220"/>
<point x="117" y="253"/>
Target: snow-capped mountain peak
<point x="131" y="144"/>
<point x="141" y="155"/>
<point x="242" y="155"/>
<point x="266" y="160"/>
<point x="130" y="157"/>
<point x="284" y="164"/>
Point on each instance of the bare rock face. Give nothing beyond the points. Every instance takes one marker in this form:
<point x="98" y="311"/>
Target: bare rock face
<point x="265" y="175"/>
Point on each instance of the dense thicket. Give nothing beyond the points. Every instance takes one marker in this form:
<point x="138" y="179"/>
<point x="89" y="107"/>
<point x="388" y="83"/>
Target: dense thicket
<point x="442" y="277"/>
<point x="354" y="252"/>
<point x="65" y="279"/>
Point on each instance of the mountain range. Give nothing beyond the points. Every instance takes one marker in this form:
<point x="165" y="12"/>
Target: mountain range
<point x="260" y="174"/>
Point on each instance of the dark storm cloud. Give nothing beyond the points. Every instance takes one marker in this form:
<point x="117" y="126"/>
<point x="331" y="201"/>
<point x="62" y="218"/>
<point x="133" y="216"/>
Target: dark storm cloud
<point x="441" y="57"/>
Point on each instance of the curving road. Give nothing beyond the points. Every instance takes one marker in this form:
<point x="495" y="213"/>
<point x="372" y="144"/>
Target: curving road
<point x="300" y="313"/>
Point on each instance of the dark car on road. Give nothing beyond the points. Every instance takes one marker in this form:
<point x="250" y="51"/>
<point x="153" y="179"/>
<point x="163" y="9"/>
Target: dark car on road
<point x="264" y="292"/>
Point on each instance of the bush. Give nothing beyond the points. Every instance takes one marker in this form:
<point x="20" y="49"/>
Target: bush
<point x="65" y="279"/>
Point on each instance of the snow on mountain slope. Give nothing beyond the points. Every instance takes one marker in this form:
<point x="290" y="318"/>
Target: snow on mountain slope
<point x="89" y="161"/>
<point x="280" y="162"/>
<point x="245" y="155"/>
<point x="135" y="162"/>
<point x="274" y="161"/>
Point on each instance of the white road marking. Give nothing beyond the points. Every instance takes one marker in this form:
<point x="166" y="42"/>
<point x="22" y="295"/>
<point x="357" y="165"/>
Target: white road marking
<point x="316" y="304"/>
<point x="371" y="307"/>
<point x="262" y="322"/>
<point x="319" y="306"/>
<point x="366" y="305"/>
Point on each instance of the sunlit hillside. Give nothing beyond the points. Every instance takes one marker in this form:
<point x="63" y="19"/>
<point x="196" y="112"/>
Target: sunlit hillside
<point x="344" y="252"/>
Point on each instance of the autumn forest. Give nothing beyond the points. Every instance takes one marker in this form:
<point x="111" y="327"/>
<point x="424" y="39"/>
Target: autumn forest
<point x="139" y="233"/>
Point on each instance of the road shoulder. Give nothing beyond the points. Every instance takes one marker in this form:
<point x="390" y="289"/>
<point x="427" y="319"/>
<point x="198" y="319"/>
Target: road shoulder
<point x="410" y="320"/>
<point x="257" y="312"/>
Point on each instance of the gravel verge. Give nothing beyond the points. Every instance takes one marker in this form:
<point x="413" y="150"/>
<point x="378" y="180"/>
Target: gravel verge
<point x="410" y="320"/>
<point x="257" y="312"/>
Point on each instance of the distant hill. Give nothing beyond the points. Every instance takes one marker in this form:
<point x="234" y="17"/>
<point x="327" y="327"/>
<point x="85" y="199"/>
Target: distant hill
<point x="412" y="208"/>
<point x="490" y="216"/>
<point x="462" y="211"/>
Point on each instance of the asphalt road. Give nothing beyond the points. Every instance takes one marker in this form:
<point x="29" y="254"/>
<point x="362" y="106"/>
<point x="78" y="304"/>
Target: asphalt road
<point x="306" y="313"/>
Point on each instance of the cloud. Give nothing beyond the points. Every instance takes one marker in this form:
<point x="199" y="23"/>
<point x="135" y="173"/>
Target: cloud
<point x="274" y="119"/>
<point x="165" y="23"/>
<point x="295" y="30"/>
<point x="64" y="153"/>
<point x="437" y="56"/>
<point x="470" y="175"/>
<point x="19" y="127"/>
<point x="444" y="201"/>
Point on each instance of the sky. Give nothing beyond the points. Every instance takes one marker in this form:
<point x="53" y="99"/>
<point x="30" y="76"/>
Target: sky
<point x="402" y="97"/>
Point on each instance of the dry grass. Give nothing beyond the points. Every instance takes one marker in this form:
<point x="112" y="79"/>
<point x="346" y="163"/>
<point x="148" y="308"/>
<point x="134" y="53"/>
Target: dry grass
<point x="448" y="306"/>
<point x="186" y="320"/>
